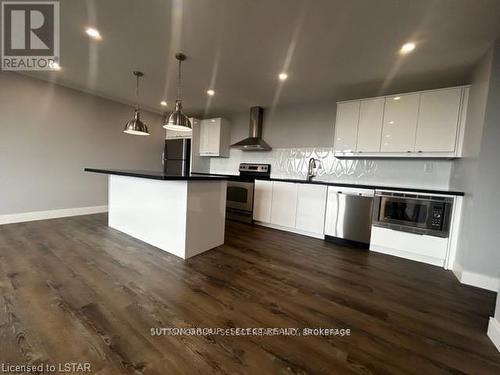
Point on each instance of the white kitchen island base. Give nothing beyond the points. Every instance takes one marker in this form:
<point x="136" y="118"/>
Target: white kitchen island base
<point x="182" y="217"/>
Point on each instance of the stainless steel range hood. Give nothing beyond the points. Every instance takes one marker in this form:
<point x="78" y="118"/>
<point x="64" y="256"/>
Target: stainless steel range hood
<point x="254" y="142"/>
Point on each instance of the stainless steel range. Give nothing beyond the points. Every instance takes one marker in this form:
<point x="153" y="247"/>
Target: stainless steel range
<point x="239" y="205"/>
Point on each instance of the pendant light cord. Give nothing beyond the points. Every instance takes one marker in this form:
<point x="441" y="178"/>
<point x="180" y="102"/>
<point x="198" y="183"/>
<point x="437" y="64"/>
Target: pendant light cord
<point x="179" y="82"/>
<point x="137" y="92"/>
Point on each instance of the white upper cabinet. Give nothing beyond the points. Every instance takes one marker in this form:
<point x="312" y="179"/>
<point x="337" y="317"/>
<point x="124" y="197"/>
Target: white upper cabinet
<point x="284" y="204"/>
<point x="311" y="205"/>
<point x="175" y="134"/>
<point x="400" y="123"/>
<point x="438" y="120"/>
<point x="262" y="199"/>
<point x="214" y="137"/>
<point x="371" y="116"/>
<point x="198" y="164"/>
<point x="346" y="126"/>
<point x="421" y="124"/>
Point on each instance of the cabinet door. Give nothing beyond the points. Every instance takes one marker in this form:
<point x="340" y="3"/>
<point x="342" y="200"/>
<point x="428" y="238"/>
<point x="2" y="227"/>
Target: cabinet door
<point x="332" y="209"/>
<point x="174" y="134"/>
<point x="204" y="129"/>
<point x="198" y="164"/>
<point x="214" y="137"/>
<point x="311" y="205"/>
<point x="262" y="198"/>
<point x="284" y="204"/>
<point x="346" y="126"/>
<point x="438" y="120"/>
<point x="400" y="123"/>
<point x="371" y="117"/>
<point x="210" y="137"/>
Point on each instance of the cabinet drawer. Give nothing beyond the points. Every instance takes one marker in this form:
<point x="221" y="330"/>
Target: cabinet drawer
<point x="427" y="249"/>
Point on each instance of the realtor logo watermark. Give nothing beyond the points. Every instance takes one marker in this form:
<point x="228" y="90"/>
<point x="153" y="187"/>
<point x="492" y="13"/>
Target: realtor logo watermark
<point x="30" y="35"/>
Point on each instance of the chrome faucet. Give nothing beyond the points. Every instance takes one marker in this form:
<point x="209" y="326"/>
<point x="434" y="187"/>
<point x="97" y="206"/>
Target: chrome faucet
<point x="312" y="168"/>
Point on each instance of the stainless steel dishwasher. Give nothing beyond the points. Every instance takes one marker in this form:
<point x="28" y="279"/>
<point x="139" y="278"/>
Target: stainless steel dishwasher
<point x="349" y="216"/>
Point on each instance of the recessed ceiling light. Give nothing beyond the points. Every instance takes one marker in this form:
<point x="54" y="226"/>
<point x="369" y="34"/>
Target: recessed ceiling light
<point x="407" y="48"/>
<point x="211" y="92"/>
<point x="163" y="103"/>
<point x="283" y="76"/>
<point x="93" y="33"/>
<point x="396" y="98"/>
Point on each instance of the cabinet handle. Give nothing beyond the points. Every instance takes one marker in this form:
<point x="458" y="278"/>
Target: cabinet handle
<point x="409" y="151"/>
<point x="420" y="152"/>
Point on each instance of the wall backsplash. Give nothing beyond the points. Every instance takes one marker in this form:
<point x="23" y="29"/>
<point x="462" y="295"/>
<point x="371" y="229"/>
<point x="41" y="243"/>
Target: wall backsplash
<point x="293" y="163"/>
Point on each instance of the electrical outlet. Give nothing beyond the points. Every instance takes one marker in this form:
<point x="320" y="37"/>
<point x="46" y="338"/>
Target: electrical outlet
<point x="428" y="167"/>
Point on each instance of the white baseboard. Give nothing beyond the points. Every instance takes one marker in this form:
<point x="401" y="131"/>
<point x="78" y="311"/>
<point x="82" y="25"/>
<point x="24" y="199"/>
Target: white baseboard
<point x="494" y="332"/>
<point x="292" y="230"/>
<point x="52" y="214"/>
<point x="476" y="279"/>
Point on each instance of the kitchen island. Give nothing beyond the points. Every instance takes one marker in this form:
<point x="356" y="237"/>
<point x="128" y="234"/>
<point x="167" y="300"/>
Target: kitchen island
<point x="181" y="214"/>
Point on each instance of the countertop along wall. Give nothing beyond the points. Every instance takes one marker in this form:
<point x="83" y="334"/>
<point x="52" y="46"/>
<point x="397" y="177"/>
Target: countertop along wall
<point x="297" y="133"/>
<point x="50" y="133"/>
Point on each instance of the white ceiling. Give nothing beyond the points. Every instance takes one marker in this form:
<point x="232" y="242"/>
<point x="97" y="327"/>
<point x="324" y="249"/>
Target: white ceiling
<point x="331" y="49"/>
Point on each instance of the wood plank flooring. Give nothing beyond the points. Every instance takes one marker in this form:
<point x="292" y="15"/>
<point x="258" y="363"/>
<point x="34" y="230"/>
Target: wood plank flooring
<point x="74" y="290"/>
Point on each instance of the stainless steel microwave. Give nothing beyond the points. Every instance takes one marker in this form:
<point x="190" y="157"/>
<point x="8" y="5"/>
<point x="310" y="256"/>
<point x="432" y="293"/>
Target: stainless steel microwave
<point x="421" y="214"/>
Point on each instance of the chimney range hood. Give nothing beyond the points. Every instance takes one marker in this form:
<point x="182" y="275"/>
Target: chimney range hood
<point x="254" y="142"/>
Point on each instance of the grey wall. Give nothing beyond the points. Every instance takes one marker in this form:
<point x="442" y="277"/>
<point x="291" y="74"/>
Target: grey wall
<point x="49" y="133"/>
<point x="479" y="173"/>
<point x="303" y="125"/>
<point x="464" y="172"/>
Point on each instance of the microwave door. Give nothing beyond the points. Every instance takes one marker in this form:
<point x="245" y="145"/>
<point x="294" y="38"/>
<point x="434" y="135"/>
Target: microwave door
<point x="408" y="212"/>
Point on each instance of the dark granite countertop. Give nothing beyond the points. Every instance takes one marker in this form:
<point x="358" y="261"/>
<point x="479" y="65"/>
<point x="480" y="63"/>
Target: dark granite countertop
<point x="355" y="186"/>
<point x="373" y="187"/>
<point x="158" y="175"/>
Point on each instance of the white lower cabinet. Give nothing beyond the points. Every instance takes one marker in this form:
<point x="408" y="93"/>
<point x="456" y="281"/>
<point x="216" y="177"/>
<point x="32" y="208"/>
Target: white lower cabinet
<point x="296" y="207"/>
<point x="422" y="248"/>
<point x="262" y="199"/>
<point x="311" y="205"/>
<point x="284" y="204"/>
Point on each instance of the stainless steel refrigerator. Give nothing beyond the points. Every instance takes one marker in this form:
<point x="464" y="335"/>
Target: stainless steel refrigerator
<point x="177" y="156"/>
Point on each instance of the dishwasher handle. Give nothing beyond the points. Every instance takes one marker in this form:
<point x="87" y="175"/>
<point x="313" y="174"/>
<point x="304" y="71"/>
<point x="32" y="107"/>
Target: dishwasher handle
<point x="356" y="193"/>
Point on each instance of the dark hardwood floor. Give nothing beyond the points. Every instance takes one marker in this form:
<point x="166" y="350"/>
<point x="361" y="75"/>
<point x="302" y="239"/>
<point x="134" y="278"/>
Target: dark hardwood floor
<point x="74" y="290"/>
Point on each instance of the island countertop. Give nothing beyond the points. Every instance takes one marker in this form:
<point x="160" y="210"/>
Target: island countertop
<point x="157" y="175"/>
<point x="183" y="215"/>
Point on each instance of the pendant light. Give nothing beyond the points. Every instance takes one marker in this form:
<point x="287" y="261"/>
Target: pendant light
<point x="136" y="126"/>
<point x="177" y="119"/>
